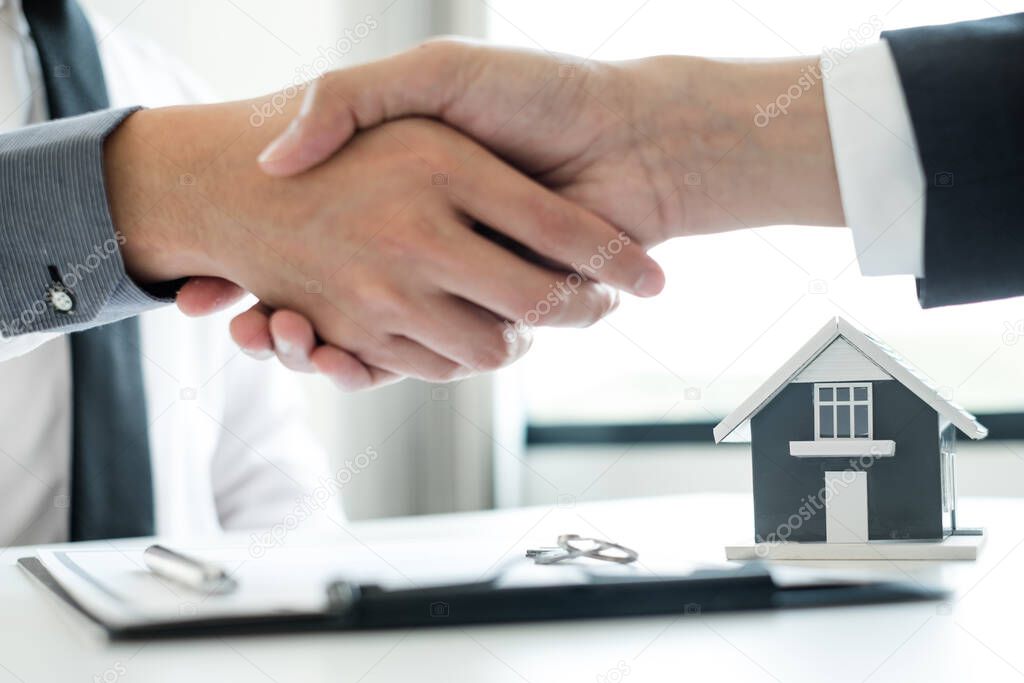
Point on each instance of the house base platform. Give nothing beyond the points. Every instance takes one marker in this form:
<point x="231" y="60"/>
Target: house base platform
<point x="958" y="547"/>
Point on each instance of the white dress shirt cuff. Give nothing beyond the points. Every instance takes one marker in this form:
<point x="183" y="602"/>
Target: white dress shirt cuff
<point x="881" y="180"/>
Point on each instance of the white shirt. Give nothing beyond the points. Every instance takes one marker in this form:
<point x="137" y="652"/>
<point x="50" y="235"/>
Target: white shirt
<point x="881" y="180"/>
<point x="227" y="443"/>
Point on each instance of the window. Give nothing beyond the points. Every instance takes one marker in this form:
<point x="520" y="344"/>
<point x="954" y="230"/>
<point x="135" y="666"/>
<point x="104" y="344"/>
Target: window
<point x="842" y="411"/>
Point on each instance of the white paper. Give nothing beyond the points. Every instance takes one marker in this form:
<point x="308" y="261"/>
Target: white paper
<point x="117" y="588"/>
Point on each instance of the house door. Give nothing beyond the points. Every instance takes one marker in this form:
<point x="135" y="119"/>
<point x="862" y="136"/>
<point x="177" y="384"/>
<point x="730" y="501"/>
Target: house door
<point x="846" y="507"/>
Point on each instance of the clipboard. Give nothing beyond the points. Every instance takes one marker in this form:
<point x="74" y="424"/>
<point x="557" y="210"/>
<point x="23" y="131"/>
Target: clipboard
<point x="353" y="606"/>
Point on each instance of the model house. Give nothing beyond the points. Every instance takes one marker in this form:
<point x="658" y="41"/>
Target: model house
<point x="850" y="444"/>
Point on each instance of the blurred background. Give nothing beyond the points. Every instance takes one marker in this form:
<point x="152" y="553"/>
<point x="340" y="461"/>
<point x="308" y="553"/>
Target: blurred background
<point x="625" y="408"/>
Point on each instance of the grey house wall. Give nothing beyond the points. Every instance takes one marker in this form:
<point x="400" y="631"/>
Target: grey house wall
<point x="904" y="491"/>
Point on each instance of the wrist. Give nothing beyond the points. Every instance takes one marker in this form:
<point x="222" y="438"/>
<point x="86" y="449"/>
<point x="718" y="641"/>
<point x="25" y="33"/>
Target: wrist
<point x="748" y="143"/>
<point x="159" y="234"/>
<point x="786" y="160"/>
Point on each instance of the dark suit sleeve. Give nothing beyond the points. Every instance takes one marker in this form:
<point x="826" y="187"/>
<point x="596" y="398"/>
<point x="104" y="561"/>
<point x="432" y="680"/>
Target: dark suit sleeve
<point x="964" y="87"/>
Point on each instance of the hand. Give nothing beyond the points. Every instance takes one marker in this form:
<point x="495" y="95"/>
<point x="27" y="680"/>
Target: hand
<point x="659" y="147"/>
<point x="383" y="263"/>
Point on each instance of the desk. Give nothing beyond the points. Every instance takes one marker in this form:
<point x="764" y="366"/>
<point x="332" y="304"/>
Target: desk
<point x="974" y="636"/>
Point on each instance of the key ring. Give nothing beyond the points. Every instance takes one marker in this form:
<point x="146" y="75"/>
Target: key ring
<point x="571" y="546"/>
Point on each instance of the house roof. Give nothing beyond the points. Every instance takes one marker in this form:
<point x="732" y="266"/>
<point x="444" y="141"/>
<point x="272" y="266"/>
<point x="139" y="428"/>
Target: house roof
<point x="736" y="426"/>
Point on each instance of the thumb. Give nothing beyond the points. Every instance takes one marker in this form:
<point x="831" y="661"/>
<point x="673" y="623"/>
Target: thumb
<point x="336" y="105"/>
<point x="321" y="127"/>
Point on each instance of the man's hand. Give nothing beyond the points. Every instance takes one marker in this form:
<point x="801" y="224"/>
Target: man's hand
<point x="377" y="249"/>
<point x="659" y="147"/>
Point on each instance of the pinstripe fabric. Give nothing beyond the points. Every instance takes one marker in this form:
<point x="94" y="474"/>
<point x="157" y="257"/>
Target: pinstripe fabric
<point x="54" y="212"/>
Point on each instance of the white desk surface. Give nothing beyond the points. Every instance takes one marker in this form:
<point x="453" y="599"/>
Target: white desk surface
<point x="975" y="635"/>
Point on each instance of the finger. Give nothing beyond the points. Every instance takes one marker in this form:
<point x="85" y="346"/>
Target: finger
<point x="403" y="356"/>
<point x="504" y="199"/>
<point x="337" y="104"/>
<point x="294" y="340"/>
<point x="295" y="343"/>
<point x="347" y="371"/>
<point x="251" y="331"/>
<point x="467" y="334"/>
<point x="516" y="290"/>
<point x="205" y="295"/>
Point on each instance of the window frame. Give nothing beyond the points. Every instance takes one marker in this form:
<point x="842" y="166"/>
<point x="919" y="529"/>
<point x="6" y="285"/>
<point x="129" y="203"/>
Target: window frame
<point x="835" y="403"/>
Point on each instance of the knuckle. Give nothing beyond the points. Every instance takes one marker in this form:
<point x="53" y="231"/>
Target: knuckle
<point x="378" y="300"/>
<point x="556" y="243"/>
<point x="441" y="47"/>
<point x="403" y="239"/>
<point x="551" y="220"/>
<point x="493" y="351"/>
<point x="440" y="61"/>
<point x="529" y="308"/>
<point x="436" y="245"/>
<point x="606" y="300"/>
<point x="592" y="303"/>
<point x="419" y="239"/>
<point x="394" y="244"/>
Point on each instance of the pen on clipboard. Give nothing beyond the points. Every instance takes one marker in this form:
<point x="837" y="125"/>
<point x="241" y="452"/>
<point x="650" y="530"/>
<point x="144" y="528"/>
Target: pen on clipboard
<point x="199" y="575"/>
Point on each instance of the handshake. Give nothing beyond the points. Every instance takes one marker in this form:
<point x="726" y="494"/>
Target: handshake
<point x="417" y="216"/>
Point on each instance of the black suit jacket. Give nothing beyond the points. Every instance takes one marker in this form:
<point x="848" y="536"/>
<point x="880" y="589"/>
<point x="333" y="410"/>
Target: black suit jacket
<point x="964" y="86"/>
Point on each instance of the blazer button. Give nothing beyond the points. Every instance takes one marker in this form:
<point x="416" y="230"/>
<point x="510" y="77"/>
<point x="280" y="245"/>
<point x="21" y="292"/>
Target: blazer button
<point x="60" y="298"/>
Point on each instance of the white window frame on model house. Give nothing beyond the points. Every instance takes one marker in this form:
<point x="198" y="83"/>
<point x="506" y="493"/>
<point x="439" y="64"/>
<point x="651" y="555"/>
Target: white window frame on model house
<point x="842" y="404"/>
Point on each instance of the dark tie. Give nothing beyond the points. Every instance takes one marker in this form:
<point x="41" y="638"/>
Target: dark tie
<point x="111" y="477"/>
